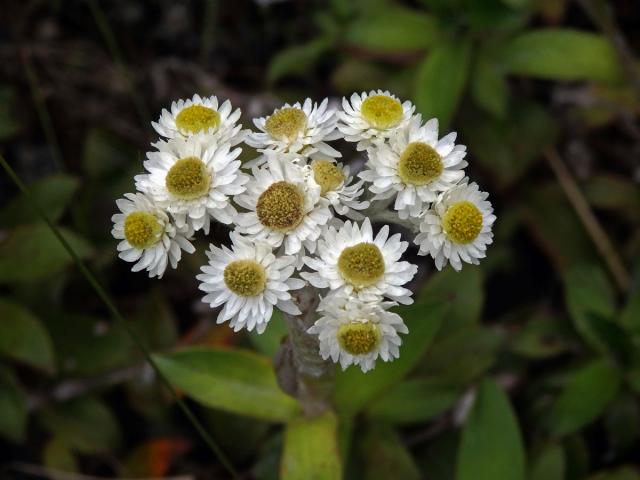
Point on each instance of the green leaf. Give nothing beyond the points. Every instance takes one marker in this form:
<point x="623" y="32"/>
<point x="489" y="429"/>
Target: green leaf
<point x="58" y="456"/>
<point x="238" y="381"/>
<point x="385" y="456"/>
<point x="587" y="393"/>
<point x="13" y="408"/>
<point x="106" y="154"/>
<point x="491" y="446"/>
<point x="414" y="401"/>
<point x="561" y="54"/>
<point x="549" y="464"/>
<point x="463" y="290"/>
<point x="441" y="80"/>
<point x="269" y="341"/>
<point x="85" y="425"/>
<point x="298" y="60"/>
<point x="9" y="126"/>
<point x="423" y="319"/>
<point x="23" y="338"/>
<point x="311" y="449"/>
<point x="394" y="29"/>
<point x="541" y="337"/>
<point x="53" y="193"/>
<point x="31" y="252"/>
<point x="630" y="316"/>
<point x="489" y="87"/>
<point x="612" y="192"/>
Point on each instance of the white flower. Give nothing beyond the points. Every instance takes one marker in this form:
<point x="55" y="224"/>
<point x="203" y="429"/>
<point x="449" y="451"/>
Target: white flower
<point x="352" y="260"/>
<point x="354" y="332"/>
<point x="415" y="166"/>
<point x="249" y="280"/>
<point x="193" y="180"/>
<point x="372" y="117"/>
<point x="284" y="206"/>
<point x="298" y="129"/>
<point x="335" y="185"/>
<point x="457" y="227"/>
<point x="148" y="235"/>
<point x="200" y="116"/>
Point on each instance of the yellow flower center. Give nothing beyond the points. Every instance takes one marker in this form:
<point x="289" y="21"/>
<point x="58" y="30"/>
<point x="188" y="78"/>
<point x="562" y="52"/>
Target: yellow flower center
<point x="359" y="338"/>
<point x="327" y="175"/>
<point x="462" y="222"/>
<point x="188" y="179"/>
<point x="142" y="229"/>
<point x="245" y="277"/>
<point x="381" y="111"/>
<point x="419" y="164"/>
<point x="361" y="265"/>
<point x="197" y="118"/>
<point x="286" y="123"/>
<point x="281" y="207"/>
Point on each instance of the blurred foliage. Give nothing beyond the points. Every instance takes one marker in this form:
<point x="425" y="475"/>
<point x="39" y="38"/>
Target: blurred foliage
<point x="526" y="367"/>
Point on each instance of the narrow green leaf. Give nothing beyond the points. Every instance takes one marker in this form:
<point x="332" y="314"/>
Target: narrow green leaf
<point x="630" y="316"/>
<point x="491" y="446"/>
<point x="9" y="125"/>
<point x="489" y="86"/>
<point x="561" y="54"/>
<point x="23" y="337"/>
<point x="385" y="456"/>
<point x="423" y="319"/>
<point x="587" y="393"/>
<point x="549" y="464"/>
<point x="441" y="80"/>
<point x="238" y="381"/>
<point x="31" y="252"/>
<point x="311" y="449"/>
<point x="54" y="192"/>
<point x="394" y="29"/>
<point x="85" y="425"/>
<point x="297" y="60"/>
<point x="13" y="409"/>
<point x="414" y="401"/>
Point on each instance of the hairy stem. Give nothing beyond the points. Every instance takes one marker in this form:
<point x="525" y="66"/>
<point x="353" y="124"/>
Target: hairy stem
<point x="300" y="369"/>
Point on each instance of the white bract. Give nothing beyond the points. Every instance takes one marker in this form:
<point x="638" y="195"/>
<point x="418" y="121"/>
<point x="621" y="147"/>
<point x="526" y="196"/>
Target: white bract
<point x="414" y="166"/>
<point x="292" y="213"/>
<point x="148" y="235"/>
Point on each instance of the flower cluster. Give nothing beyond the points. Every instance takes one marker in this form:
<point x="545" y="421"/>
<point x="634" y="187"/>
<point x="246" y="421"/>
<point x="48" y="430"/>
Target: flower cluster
<point x="300" y="219"/>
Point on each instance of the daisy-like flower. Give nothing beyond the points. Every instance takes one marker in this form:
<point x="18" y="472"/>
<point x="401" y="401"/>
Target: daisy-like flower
<point x="350" y="259"/>
<point x="193" y="180"/>
<point x="415" y="166"/>
<point x="369" y="118"/>
<point x="148" y="235"/>
<point x="249" y="280"/>
<point x="285" y="207"/>
<point x="335" y="185"/>
<point x="354" y="332"/>
<point x="297" y="129"/>
<point x="200" y="116"/>
<point x="457" y="227"/>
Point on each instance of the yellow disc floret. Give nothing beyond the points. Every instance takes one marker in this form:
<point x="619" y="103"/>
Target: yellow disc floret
<point x="419" y="164"/>
<point x="188" y="179"/>
<point x="381" y="111"/>
<point x="197" y="118"/>
<point x="245" y="277"/>
<point x="142" y="229"/>
<point x="462" y="222"/>
<point x="361" y="265"/>
<point x="281" y="207"/>
<point x="286" y="123"/>
<point x="359" y="338"/>
<point x="327" y="175"/>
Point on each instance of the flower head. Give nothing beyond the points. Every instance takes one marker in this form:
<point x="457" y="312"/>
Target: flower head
<point x="249" y="280"/>
<point x="457" y="228"/>
<point x="351" y="331"/>
<point x="148" y="235"/>
<point x="337" y="187"/>
<point x="352" y="260"/>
